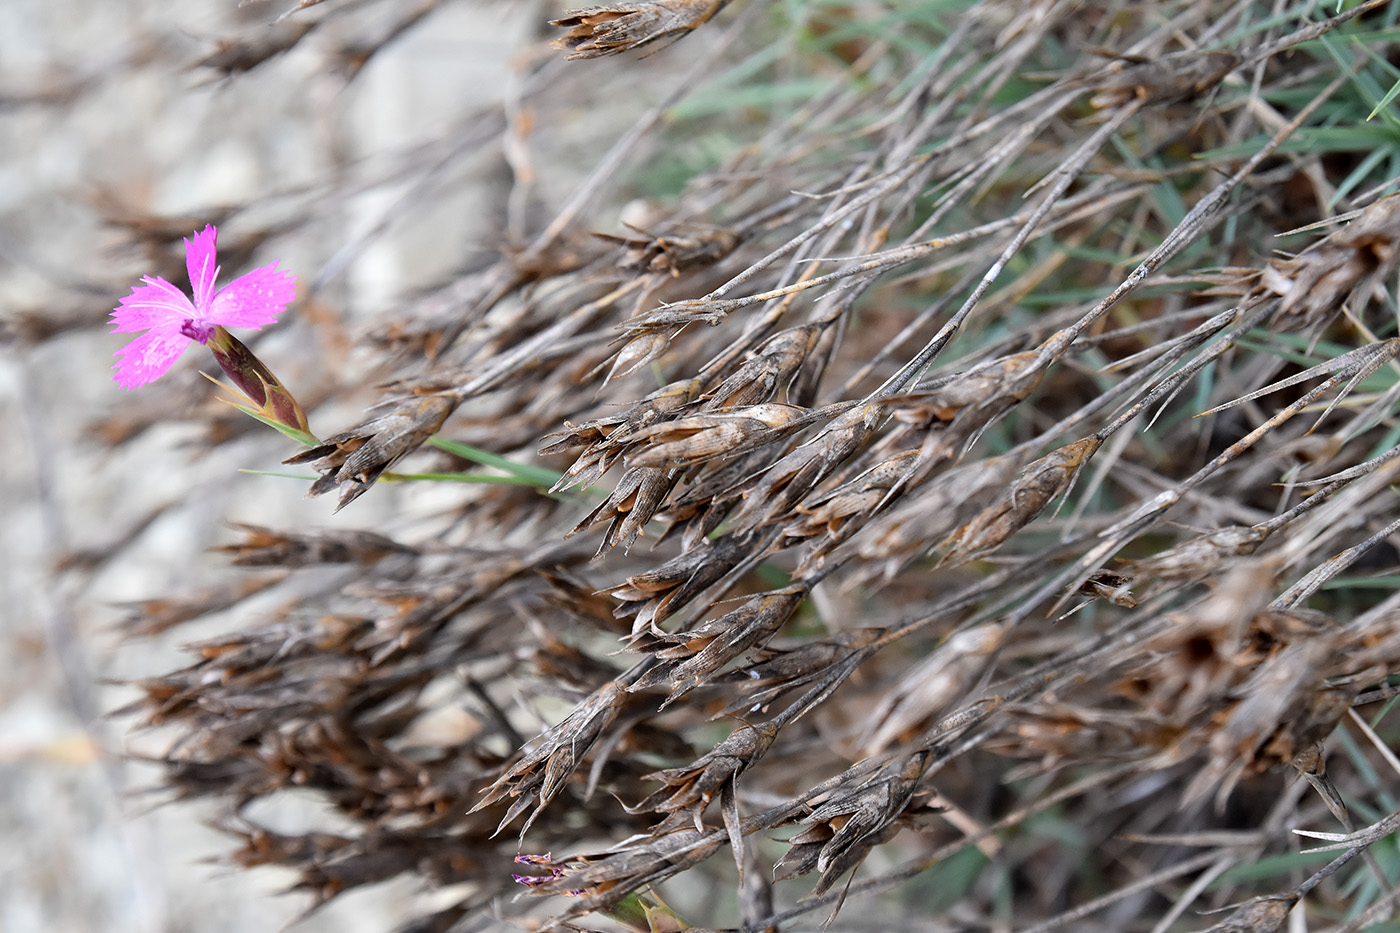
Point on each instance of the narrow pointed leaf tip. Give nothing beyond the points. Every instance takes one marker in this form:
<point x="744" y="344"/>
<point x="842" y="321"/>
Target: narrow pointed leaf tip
<point x="171" y="319"/>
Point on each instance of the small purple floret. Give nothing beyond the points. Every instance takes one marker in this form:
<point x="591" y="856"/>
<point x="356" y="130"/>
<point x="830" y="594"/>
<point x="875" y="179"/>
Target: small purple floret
<point x="543" y="861"/>
<point x="171" y="319"/>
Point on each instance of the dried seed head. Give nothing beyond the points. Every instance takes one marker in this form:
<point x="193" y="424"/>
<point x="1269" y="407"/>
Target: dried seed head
<point x="1266" y="914"/>
<point x="1162" y="80"/>
<point x="636" y="353"/>
<point x="1201" y="556"/>
<point x="1059" y="731"/>
<point x="239" y="54"/>
<point x="632" y="503"/>
<point x="695" y="785"/>
<point x="266" y="547"/>
<point x="354" y="459"/>
<point x="606" y="439"/>
<point x="1344" y="268"/>
<point x="781" y="671"/>
<point x="431" y="323"/>
<point x="612" y="28"/>
<point x="658" y="592"/>
<point x="852" y="502"/>
<point x="775" y="365"/>
<point x="1114" y="587"/>
<point x="541" y="774"/>
<point x="960" y="409"/>
<point x="1206" y="651"/>
<point x="1014" y="378"/>
<point x="711" y="494"/>
<point x="1283" y="709"/>
<point x="602" y="880"/>
<point x="1032" y="490"/>
<point x="695" y="656"/>
<point x="690" y="441"/>
<point x="946" y="503"/>
<point x="929" y="687"/>
<point x="675" y="253"/>
<point x="842" y="831"/>
<point x="798" y="472"/>
<point x="153" y="616"/>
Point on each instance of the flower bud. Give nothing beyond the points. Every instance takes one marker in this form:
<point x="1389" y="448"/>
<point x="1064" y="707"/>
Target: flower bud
<point x="255" y="380"/>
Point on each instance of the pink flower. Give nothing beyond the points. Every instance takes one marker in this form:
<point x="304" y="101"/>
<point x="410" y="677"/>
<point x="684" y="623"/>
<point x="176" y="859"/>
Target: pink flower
<point x="171" y="320"/>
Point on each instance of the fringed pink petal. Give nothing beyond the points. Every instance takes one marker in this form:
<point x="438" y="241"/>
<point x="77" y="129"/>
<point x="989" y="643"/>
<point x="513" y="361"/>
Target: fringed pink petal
<point x="253" y="300"/>
<point x="148" y="357"/>
<point x="157" y="304"/>
<point x="201" y="260"/>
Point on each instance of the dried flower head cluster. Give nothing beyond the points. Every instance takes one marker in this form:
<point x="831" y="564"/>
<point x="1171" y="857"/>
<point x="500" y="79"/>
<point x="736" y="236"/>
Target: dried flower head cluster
<point x="954" y="472"/>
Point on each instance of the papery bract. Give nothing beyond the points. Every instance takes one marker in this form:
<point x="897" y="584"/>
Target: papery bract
<point x="171" y="319"/>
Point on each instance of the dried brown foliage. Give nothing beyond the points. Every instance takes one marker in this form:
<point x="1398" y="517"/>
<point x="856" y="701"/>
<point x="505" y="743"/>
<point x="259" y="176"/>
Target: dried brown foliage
<point x="995" y="469"/>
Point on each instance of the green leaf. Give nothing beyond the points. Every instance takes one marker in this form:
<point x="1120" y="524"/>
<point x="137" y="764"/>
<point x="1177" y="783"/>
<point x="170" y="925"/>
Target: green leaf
<point x="297" y="476"/>
<point x="488" y="478"/>
<point x="526" y="474"/>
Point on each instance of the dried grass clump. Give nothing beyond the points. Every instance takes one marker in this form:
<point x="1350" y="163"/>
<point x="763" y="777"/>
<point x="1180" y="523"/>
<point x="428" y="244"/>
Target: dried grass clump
<point x="955" y="485"/>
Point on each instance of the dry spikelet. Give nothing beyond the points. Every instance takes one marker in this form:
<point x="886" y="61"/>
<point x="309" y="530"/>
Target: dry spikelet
<point x="636" y="353"/>
<point x="830" y="513"/>
<point x="690" y="789"/>
<point x="1285" y="708"/>
<point x="152" y="616"/>
<point x="919" y="523"/>
<point x="675" y="253"/>
<point x="842" y="831"/>
<point x="1183" y="672"/>
<point x="1266" y="914"/>
<point x="654" y="594"/>
<point x="244" y="53"/>
<point x="774" y="365"/>
<point x="692" y="658"/>
<point x="693" y="440"/>
<point x="780" y="671"/>
<point x="1034" y="488"/>
<point x="597" y="881"/>
<point x="263" y="547"/>
<point x="1200" y="557"/>
<point x="605" y="440"/>
<point x="1169" y="78"/>
<point x="354" y="459"/>
<point x="792" y="477"/>
<point x="635" y="500"/>
<point x="1353" y="261"/>
<point x="914" y="703"/>
<point x="1058" y="731"/>
<point x="1114" y="587"/>
<point x="612" y="28"/>
<point x="539" y="776"/>
<point x="710" y="494"/>
<point x="433" y="323"/>
<point x="967" y="403"/>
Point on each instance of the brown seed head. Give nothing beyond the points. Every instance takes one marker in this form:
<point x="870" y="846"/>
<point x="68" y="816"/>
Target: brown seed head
<point x="354" y="459"/>
<point x="612" y="28"/>
<point x="689" y="441"/>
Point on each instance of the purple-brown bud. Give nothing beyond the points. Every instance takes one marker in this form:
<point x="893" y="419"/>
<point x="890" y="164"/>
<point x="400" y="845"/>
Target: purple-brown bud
<point x="255" y="380"/>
